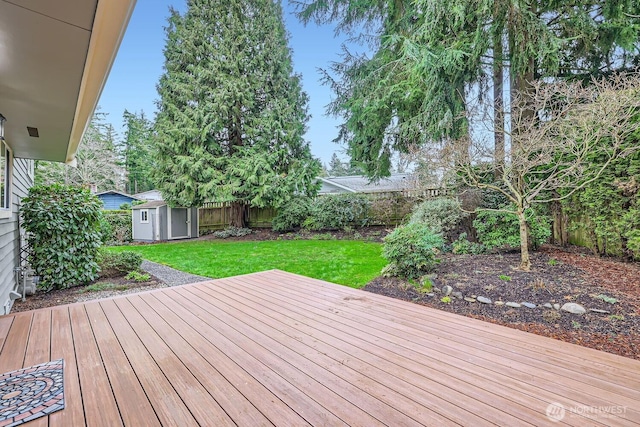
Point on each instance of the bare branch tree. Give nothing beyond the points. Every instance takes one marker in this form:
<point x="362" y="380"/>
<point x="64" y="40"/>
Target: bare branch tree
<point x="551" y="150"/>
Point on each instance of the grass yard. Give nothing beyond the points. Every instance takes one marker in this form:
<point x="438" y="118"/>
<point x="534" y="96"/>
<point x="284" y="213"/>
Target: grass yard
<point x="346" y="262"/>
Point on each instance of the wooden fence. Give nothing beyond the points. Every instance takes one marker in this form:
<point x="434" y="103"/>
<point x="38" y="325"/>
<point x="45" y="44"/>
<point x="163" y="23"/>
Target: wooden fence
<point x="216" y="216"/>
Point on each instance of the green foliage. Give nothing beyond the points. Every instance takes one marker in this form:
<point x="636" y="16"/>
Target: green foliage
<point x="497" y="230"/>
<point x="463" y="246"/>
<point x="446" y="299"/>
<point x="117" y="264"/>
<point x="137" y="276"/>
<point x="98" y="287"/>
<point x="335" y="212"/>
<point x="390" y="209"/>
<point x="443" y="215"/>
<point x="63" y="226"/>
<point x="412" y="250"/>
<point x="339" y="168"/>
<point x="607" y="299"/>
<point x="409" y="89"/>
<point x="231" y="115"/>
<point x="292" y="214"/>
<point x="504" y="278"/>
<point x="137" y="152"/>
<point x="116" y="227"/>
<point x="232" y="232"/>
<point x="346" y="262"/>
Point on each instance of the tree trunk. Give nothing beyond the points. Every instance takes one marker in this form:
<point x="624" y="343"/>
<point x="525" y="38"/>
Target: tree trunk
<point x="498" y="107"/>
<point x="238" y="215"/>
<point x="525" y="262"/>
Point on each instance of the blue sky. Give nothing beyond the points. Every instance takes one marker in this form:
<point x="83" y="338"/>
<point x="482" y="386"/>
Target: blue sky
<point x="138" y="66"/>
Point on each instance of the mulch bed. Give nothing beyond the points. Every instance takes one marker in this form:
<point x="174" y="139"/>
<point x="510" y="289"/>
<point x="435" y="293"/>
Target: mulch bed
<point x="75" y="294"/>
<point x="557" y="276"/>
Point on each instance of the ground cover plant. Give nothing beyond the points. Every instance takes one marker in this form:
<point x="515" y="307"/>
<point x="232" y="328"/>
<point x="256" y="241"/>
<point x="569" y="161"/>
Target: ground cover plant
<point x="350" y="263"/>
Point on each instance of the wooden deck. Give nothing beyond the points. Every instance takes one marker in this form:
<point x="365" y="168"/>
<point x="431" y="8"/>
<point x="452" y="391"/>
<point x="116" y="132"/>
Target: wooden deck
<point x="274" y="348"/>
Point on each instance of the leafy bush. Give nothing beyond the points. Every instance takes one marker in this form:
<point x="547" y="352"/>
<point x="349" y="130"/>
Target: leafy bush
<point x="116" y="227"/>
<point x="232" y="232"/>
<point x="291" y="215"/>
<point x="63" y="226"/>
<point x="497" y="230"/>
<point x="411" y="250"/>
<point x="118" y="264"/>
<point x="464" y="246"/>
<point x="137" y="276"/>
<point x="443" y="215"/>
<point x="334" y="212"/>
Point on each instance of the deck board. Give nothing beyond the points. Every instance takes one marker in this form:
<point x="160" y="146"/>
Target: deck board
<point x="275" y="348"/>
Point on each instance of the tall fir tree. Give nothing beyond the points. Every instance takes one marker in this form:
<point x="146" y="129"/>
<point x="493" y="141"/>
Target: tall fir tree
<point x="232" y="114"/>
<point x="137" y="152"/>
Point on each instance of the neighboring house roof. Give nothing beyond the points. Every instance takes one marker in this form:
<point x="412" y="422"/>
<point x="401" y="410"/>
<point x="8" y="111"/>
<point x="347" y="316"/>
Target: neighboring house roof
<point x="150" y="205"/>
<point x="149" y="195"/>
<point x="55" y="57"/>
<point x="362" y="184"/>
<point x="102" y="193"/>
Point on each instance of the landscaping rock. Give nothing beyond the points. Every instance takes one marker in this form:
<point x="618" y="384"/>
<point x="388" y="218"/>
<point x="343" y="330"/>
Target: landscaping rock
<point x="457" y="294"/>
<point x="597" y="310"/>
<point x="446" y="290"/>
<point x="529" y="304"/>
<point x="572" y="307"/>
<point x="499" y="303"/>
<point x="431" y="294"/>
<point x="513" y="304"/>
<point x="484" y="300"/>
<point x="548" y="305"/>
<point x="556" y="306"/>
<point x="468" y="299"/>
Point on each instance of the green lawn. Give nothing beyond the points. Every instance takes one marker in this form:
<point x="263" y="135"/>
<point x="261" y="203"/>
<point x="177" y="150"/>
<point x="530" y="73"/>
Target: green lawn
<point x="351" y="263"/>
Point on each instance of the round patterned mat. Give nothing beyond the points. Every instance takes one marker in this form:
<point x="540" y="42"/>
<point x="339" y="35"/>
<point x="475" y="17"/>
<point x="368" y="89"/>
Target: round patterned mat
<point x="31" y="393"/>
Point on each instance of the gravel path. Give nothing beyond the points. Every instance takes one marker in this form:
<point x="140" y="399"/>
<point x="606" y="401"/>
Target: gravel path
<point x="171" y="276"/>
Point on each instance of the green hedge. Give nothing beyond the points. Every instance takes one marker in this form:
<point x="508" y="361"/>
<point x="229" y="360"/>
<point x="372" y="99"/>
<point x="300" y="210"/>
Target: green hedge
<point x="63" y="226"/>
<point x="116" y="227"/>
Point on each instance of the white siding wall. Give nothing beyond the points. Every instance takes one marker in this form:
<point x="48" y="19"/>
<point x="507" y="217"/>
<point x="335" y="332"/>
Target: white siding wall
<point x="22" y="180"/>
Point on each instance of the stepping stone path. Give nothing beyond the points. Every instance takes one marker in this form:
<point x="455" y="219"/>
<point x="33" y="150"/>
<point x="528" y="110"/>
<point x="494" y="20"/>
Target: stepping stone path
<point x="572" y="307"/>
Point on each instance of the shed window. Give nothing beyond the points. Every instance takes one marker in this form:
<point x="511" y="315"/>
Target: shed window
<point x="144" y="215"/>
<point x="5" y="176"/>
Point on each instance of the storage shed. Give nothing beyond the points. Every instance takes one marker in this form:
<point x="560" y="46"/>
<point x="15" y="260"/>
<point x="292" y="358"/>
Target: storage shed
<point x="156" y="221"/>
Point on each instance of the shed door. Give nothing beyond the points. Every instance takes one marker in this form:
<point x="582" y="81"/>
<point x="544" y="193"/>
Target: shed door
<point x="179" y="223"/>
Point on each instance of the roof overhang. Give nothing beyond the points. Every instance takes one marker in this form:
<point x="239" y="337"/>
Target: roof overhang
<point x="55" y="57"/>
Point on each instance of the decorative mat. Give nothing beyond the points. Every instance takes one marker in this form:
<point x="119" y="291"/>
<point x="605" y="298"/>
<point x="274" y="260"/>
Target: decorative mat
<point x="31" y="393"/>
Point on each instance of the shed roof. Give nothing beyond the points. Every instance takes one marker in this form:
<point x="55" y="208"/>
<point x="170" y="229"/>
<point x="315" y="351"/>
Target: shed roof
<point x="149" y="205"/>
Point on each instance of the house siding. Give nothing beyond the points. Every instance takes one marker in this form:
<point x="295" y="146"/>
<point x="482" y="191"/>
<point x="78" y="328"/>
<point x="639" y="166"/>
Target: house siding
<point x="22" y="180"/>
<point x="114" y="201"/>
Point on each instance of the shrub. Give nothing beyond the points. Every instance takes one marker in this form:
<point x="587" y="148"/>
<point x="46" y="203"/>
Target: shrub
<point x="116" y="227"/>
<point x="497" y="230"/>
<point x="463" y="246"/>
<point x="118" y="264"/>
<point x="63" y="226"/>
<point x="411" y="250"/>
<point x="443" y="215"/>
<point x="232" y="232"/>
<point x="137" y="276"/>
<point x="389" y="209"/>
<point x="291" y="215"/>
<point x="335" y="212"/>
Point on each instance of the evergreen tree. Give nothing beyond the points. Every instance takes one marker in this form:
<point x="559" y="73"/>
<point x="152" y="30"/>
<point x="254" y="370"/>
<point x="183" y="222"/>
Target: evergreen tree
<point x="231" y="113"/>
<point x="427" y="54"/>
<point x="137" y="152"/>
